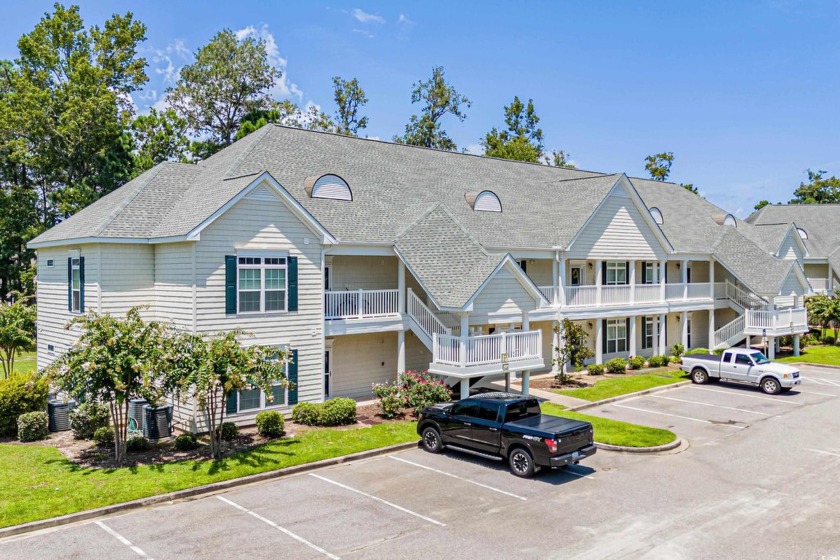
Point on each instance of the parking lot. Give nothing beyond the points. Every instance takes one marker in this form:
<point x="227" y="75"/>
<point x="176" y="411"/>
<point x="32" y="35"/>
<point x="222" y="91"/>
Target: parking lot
<point x="758" y="480"/>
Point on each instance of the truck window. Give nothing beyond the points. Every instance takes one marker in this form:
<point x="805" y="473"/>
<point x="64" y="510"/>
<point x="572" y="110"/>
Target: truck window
<point x="465" y="409"/>
<point x="727" y="357"/>
<point x="743" y="359"/>
<point x="523" y="409"/>
<point x="759" y="358"/>
<point x="488" y="410"/>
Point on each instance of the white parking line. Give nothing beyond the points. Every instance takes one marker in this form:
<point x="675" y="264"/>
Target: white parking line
<point x="782" y="401"/>
<point x="279" y="528"/>
<point x="676" y="416"/>
<point x="123" y="540"/>
<point x="798" y="390"/>
<point x="823" y="381"/>
<point x="568" y="470"/>
<point x="712" y="405"/>
<point x="380" y="500"/>
<point x="825" y="452"/>
<point x="457" y="477"/>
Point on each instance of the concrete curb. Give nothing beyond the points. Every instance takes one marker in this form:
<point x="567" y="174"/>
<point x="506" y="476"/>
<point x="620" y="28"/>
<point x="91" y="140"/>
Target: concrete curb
<point x="809" y="364"/>
<point x="197" y="491"/>
<point x="629" y="396"/>
<point x="657" y="449"/>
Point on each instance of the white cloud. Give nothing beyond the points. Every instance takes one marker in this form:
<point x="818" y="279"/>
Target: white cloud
<point x="283" y="87"/>
<point x="475" y="149"/>
<point x="179" y="48"/>
<point x="403" y="20"/>
<point x="364" y="33"/>
<point x="365" y="17"/>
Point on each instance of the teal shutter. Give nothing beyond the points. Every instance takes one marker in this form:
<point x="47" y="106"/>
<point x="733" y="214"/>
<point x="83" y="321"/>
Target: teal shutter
<point x="604" y="336"/>
<point x="292" y="271"/>
<point x="230" y="404"/>
<point x="292" y="376"/>
<point x="69" y="284"/>
<point x="81" y="284"/>
<point x="627" y="336"/>
<point x="627" y="272"/>
<point x="230" y="285"/>
<point x="604" y="273"/>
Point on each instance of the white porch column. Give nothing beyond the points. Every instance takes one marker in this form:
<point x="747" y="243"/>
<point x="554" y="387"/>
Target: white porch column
<point x="664" y="338"/>
<point x="526" y="382"/>
<point x="684" y="277"/>
<point x="400" y="351"/>
<point x="599" y="341"/>
<point x="401" y="287"/>
<point x="711" y="329"/>
<point x="796" y="345"/>
<point x="662" y="264"/>
<point x="748" y="342"/>
<point x="465" y="331"/>
<point x="830" y="280"/>
<point x="684" y="329"/>
<point x="771" y="347"/>
<point x="632" y="281"/>
<point x="561" y="281"/>
<point x="633" y="321"/>
<point x="712" y="277"/>
<point x="465" y="388"/>
<point x="655" y="342"/>
<point x="526" y="375"/>
<point x="599" y="267"/>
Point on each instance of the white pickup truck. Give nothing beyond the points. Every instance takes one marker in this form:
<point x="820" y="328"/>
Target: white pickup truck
<point x="741" y="365"/>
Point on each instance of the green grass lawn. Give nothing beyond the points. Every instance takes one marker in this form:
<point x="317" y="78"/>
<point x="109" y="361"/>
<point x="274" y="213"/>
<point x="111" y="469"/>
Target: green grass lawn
<point x="25" y="362"/>
<point x="828" y="355"/>
<point x="615" y="386"/>
<point x="39" y="482"/>
<point x="613" y="432"/>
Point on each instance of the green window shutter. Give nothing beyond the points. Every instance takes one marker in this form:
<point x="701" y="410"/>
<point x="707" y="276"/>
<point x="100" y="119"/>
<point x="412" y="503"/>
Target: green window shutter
<point x="627" y="335"/>
<point x="292" y="271"/>
<point x="292" y="376"/>
<point x="230" y="285"/>
<point x="81" y="284"/>
<point x="604" y="273"/>
<point x="604" y="336"/>
<point x="627" y="272"/>
<point x="230" y="404"/>
<point x="69" y="284"/>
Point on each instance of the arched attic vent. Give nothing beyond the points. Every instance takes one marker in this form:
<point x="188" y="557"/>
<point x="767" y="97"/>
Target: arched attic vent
<point x="725" y="220"/>
<point x="802" y="233"/>
<point x="483" y="201"/>
<point x="656" y="214"/>
<point x="328" y="186"/>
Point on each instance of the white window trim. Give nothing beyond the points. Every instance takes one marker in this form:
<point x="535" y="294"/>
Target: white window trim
<point x="654" y="332"/>
<point x="75" y="264"/>
<point x="281" y="347"/>
<point x="615" y="267"/>
<point x="262" y="268"/>
<point x="615" y="325"/>
<point x="581" y="277"/>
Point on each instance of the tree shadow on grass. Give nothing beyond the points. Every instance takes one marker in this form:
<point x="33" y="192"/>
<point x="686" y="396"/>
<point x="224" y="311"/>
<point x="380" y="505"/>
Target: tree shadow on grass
<point x="267" y="454"/>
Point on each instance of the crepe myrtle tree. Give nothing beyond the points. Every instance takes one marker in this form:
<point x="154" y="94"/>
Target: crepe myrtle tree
<point x="571" y="348"/>
<point x="209" y="370"/>
<point x="117" y="359"/>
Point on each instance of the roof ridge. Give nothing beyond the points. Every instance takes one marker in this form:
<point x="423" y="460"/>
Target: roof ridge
<point x="600" y="176"/>
<point x="259" y="134"/>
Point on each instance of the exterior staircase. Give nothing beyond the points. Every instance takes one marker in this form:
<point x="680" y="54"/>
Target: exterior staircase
<point x="423" y="322"/>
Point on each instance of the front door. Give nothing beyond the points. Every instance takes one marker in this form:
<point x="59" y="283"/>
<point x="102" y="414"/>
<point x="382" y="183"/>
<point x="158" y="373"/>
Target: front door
<point x="576" y="276"/>
<point x="327" y="374"/>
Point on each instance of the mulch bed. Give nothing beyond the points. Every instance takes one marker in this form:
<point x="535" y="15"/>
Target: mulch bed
<point x="86" y="453"/>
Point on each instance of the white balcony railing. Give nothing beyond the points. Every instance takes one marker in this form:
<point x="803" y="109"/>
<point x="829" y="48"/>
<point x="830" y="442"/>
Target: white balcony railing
<point x="548" y="292"/>
<point x="615" y="295"/>
<point x="581" y="296"/>
<point x="359" y="304"/>
<point x="587" y="296"/>
<point x="777" y="322"/>
<point x="674" y="291"/>
<point x="647" y="293"/>
<point x="699" y="290"/>
<point x="820" y="285"/>
<point x="487" y="349"/>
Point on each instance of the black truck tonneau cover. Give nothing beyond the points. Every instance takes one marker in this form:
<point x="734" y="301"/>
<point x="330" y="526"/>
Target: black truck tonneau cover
<point x="550" y="424"/>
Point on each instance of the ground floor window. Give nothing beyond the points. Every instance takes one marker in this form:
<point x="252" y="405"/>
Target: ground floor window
<point x="616" y="335"/>
<point x="651" y="331"/>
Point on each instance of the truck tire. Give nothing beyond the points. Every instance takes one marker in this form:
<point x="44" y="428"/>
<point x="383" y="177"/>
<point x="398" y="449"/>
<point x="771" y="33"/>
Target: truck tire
<point x="771" y="386"/>
<point x="699" y="376"/>
<point x="431" y="440"/>
<point x="521" y="462"/>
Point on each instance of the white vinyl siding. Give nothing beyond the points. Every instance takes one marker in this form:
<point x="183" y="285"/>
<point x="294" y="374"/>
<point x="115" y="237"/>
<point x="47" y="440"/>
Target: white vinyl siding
<point x="502" y="295"/>
<point x="617" y="228"/>
<point x="365" y="273"/>
<point x="128" y="276"/>
<point x="792" y="285"/>
<point x="331" y="186"/>
<point x="790" y="249"/>
<point x="539" y="271"/>
<point x="358" y="361"/>
<point x="173" y="273"/>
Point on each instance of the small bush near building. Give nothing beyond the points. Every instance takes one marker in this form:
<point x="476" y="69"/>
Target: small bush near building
<point x="305" y="413"/>
<point x="270" y="423"/>
<point x="186" y="442"/>
<point x="694" y="351"/>
<point x="228" y="430"/>
<point x="412" y="389"/>
<point x="104" y="436"/>
<point x="20" y="394"/>
<point x="33" y="426"/>
<point x="677" y="350"/>
<point x="616" y="365"/>
<point x="595" y="369"/>
<point x="658" y="361"/>
<point x="636" y="362"/>
<point x="391" y="405"/>
<point x="337" y="412"/>
<point x="137" y="443"/>
<point x="88" y="417"/>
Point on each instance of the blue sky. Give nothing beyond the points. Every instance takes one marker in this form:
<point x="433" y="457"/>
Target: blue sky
<point x="746" y="94"/>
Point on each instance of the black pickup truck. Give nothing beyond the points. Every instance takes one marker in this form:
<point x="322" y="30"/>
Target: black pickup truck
<point x="503" y="426"/>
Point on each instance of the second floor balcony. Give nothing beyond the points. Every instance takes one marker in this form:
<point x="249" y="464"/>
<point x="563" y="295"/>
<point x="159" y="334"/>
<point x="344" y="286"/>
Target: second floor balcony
<point x="629" y="294"/>
<point x="360" y="304"/>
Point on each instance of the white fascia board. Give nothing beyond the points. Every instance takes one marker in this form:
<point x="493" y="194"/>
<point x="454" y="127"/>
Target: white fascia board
<point x="363" y="249"/>
<point x="523" y="252"/>
<point x="643" y="210"/>
<point x="115" y="240"/>
<point x="803" y="280"/>
<point x="290" y="201"/>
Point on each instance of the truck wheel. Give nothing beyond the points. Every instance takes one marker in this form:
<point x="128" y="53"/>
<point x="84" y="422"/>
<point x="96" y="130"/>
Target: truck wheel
<point x="771" y="386"/>
<point x="521" y="463"/>
<point x="699" y="376"/>
<point x="431" y="440"/>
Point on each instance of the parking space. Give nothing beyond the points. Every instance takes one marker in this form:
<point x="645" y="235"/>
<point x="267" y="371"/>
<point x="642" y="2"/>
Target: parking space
<point x="755" y="461"/>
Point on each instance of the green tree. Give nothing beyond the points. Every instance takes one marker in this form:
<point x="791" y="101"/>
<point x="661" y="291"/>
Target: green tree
<point x="570" y="349"/>
<point x="522" y="140"/>
<point x="349" y="98"/>
<point x="690" y="187"/>
<point x="761" y="204"/>
<point x="17" y="331"/>
<point x="286" y="113"/>
<point x="18" y="223"/>
<point x="116" y="360"/>
<point x="64" y="105"/>
<point x="229" y="79"/>
<point x="438" y="99"/>
<point x="210" y="371"/>
<point x="559" y="158"/>
<point x="159" y="136"/>
<point x="659" y="165"/>
<point x="818" y="190"/>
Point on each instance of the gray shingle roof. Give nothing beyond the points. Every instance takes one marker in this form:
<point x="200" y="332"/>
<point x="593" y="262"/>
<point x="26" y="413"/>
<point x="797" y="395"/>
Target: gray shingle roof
<point x="449" y="263"/>
<point x="762" y="272"/>
<point x="818" y="220"/>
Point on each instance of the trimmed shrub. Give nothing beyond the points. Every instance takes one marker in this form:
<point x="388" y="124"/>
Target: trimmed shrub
<point x="422" y="390"/>
<point x="391" y="405"/>
<point x="104" y="436"/>
<point x="186" y="442"/>
<point x="658" y="361"/>
<point x="337" y="412"/>
<point x="229" y="431"/>
<point x="305" y="413"/>
<point x="137" y="443"/>
<point x="595" y="369"/>
<point x="616" y="365"/>
<point x="636" y="362"/>
<point x="697" y="351"/>
<point x="270" y="423"/>
<point x="88" y="417"/>
<point x="33" y="426"/>
<point x="20" y="394"/>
